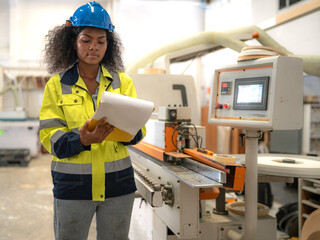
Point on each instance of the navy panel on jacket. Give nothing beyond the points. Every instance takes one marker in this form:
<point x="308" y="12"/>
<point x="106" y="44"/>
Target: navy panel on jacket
<point x="79" y="187"/>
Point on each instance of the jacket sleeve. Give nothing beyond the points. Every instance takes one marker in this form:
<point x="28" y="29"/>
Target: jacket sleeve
<point x="55" y="135"/>
<point x="128" y="88"/>
<point x="137" y="138"/>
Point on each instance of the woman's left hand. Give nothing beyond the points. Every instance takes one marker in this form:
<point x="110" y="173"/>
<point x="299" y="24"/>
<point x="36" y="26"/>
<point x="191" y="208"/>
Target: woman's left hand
<point x="101" y="131"/>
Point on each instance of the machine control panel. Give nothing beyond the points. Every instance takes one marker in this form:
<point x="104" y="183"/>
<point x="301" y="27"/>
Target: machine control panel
<point x="249" y="94"/>
<point x="259" y="94"/>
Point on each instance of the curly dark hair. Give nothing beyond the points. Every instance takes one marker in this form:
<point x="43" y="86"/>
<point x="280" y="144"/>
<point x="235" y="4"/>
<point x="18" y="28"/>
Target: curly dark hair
<point x="60" y="54"/>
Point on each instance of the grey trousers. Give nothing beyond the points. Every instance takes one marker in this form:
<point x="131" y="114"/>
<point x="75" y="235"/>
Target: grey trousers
<point x="72" y="218"/>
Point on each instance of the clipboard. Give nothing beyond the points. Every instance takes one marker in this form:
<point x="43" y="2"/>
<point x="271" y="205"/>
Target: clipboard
<point x="127" y="114"/>
<point x="117" y="135"/>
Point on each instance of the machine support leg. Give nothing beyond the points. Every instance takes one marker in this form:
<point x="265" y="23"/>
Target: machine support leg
<point x="251" y="184"/>
<point x="251" y="188"/>
<point x="221" y="203"/>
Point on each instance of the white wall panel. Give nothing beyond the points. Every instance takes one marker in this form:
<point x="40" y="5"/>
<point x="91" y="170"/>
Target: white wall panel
<point x="222" y="15"/>
<point x="143" y="25"/>
<point x="146" y="25"/>
<point x="300" y="36"/>
<point x="4" y="26"/>
<point x="263" y="11"/>
<point x="30" y="21"/>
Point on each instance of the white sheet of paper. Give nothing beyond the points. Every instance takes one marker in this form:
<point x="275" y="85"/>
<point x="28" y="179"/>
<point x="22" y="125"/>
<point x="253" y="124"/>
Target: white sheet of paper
<point x="126" y="113"/>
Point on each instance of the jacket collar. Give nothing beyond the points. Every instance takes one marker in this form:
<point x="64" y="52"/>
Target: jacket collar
<point x="71" y="76"/>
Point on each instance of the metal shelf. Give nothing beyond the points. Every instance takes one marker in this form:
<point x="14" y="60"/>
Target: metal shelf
<point x="309" y="203"/>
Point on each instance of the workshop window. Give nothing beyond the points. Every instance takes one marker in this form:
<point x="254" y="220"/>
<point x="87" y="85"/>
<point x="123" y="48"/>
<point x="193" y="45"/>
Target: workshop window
<point x="287" y="3"/>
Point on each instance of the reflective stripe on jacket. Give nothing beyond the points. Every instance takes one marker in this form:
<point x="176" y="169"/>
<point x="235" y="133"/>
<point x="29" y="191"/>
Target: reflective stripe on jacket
<point x="94" y="172"/>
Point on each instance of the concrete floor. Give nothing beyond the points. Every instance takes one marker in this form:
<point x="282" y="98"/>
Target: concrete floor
<point x="26" y="201"/>
<point x="26" y="204"/>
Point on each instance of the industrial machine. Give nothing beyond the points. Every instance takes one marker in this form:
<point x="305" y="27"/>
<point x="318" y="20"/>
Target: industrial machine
<point x="18" y="113"/>
<point x="184" y="183"/>
<point x="257" y="95"/>
<point x="19" y="110"/>
<point x="172" y="177"/>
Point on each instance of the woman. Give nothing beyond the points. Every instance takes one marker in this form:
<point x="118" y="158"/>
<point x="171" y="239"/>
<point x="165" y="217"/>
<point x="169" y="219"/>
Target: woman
<point x="90" y="175"/>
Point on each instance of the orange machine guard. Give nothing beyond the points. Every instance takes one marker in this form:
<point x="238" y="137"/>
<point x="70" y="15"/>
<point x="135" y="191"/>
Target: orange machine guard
<point x="171" y="141"/>
<point x="149" y="149"/>
<point x="239" y="178"/>
<point x="198" y="156"/>
<point x="235" y="182"/>
<point x="209" y="193"/>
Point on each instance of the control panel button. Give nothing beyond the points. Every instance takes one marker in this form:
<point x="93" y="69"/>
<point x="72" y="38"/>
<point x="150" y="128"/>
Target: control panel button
<point x="226" y="106"/>
<point x="217" y="106"/>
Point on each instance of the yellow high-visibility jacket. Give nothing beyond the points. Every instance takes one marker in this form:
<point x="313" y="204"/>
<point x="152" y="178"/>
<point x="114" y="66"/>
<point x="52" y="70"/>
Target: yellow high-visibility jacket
<point x="94" y="172"/>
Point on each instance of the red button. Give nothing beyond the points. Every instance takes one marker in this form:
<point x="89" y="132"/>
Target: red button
<point x="226" y="106"/>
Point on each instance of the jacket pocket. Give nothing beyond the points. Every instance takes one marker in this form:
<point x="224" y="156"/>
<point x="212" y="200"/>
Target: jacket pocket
<point x="124" y="175"/>
<point x="67" y="179"/>
<point x="73" y="109"/>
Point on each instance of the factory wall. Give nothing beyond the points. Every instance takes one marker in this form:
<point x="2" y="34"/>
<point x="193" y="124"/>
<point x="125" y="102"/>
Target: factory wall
<point x="299" y="35"/>
<point x="4" y="26"/>
<point x="146" y="25"/>
<point x="24" y="25"/>
<point x="142" y="25"/>
<point x="29" y="22"/>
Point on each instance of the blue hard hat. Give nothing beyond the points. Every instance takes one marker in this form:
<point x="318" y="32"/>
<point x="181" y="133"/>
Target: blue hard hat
<point x="92" y="14"/>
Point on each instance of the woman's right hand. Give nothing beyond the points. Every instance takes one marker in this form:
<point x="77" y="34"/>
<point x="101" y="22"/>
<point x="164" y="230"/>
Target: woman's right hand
<point x="101" y="131"/>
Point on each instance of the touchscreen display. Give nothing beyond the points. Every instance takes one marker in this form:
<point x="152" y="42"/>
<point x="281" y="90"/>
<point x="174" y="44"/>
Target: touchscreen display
<point x="251" y="93"/>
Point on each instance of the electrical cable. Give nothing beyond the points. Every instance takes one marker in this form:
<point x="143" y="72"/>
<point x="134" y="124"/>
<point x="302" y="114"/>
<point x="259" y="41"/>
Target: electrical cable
<point x="195" y="136"/>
